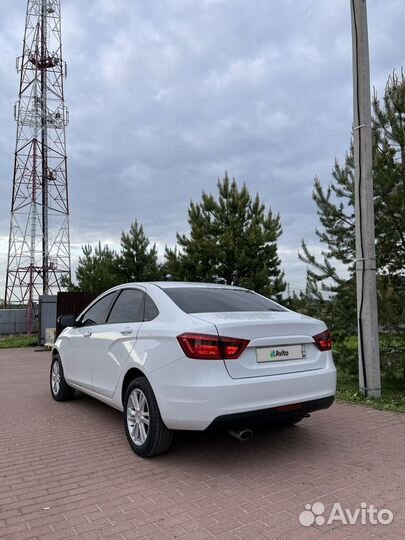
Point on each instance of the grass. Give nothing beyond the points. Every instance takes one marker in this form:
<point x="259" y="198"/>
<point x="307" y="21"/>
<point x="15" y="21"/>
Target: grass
<point x="393" y="395"/>
<point x="392" y="349"/>
<point x="10" y="342"/>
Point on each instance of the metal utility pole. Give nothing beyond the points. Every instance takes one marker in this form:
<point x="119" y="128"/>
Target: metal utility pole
<point x="39" y="244"/>
<point x="369" y="355"/>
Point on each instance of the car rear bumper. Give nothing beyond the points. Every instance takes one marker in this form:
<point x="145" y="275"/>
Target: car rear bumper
<point x="194" y="396"/>
<point x="273" y="414"/>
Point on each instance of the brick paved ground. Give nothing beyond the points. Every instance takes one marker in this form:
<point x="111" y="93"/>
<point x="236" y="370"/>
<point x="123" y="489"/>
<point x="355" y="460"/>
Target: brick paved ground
<point x="66" y="471"/>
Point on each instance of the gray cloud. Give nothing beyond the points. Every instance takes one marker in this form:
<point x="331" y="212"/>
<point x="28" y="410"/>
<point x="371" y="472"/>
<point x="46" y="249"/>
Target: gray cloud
<point x="165" y="95"/>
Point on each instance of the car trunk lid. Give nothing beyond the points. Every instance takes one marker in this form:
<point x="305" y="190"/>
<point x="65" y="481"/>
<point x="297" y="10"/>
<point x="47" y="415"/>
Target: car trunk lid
<point x="279" y="342"/>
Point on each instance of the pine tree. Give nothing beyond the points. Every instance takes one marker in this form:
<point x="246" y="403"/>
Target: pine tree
<point x="96" y="271"/>
<point x="138" y="260"/>
<point x="389" y="177"/>
<point x="335" y="208"/>
<point x="232" y="240"/>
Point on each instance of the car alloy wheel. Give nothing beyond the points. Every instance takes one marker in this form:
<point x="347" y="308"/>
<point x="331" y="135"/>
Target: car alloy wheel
<point x="138" y="417"/>
<point x="55" y="378"/>
<point x="60" y="390"/>
<point x="146" y="432"/>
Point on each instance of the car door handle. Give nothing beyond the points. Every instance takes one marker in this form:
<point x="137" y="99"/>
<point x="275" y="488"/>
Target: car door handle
<point x="126" y="331"/>
<point x="88" y="333"/>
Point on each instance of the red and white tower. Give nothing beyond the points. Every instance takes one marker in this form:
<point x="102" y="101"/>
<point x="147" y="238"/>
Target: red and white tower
<point x="39" y="245"/>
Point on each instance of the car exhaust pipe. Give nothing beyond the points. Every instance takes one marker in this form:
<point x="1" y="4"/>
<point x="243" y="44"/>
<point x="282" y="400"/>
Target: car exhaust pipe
<point x="241" y="434"/>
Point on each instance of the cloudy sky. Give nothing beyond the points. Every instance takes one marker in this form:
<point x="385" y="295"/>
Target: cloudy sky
<point x="165" y="95"/>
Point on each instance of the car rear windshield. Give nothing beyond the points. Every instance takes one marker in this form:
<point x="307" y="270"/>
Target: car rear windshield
<point x="213" y="300"/>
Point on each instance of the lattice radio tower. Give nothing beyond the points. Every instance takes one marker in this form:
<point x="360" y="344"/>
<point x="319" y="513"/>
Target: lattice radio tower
<point x="39" y="245"/>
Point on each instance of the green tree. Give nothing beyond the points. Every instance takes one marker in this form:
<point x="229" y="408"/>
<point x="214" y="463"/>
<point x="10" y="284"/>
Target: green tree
<point x="96" y="271"/>
<point x="137" y="261"/>
<point x="335" y="205"/>
<point x="232" y="240"/>
<point x="389" y="177"/>
<point x="335" y="208"/>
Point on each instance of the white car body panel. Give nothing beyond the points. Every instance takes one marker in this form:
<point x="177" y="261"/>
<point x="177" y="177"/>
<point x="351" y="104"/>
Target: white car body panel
<point x="77" y="351"/>
<point x="194" y="396"/>
<point x="190" y="393"/>
<point x="264" y="329"/>
<point x="111" y="351"/>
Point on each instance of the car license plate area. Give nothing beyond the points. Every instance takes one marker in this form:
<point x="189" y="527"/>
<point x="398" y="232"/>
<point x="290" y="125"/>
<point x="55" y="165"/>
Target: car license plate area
<point x="280" y="353"/>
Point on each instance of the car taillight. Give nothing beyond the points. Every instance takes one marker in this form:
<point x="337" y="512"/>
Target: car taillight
<point x="323" y="341"/>
<point x="207" y="347"/>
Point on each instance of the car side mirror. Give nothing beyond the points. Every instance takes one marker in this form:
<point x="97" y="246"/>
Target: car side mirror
<point x="67" y="320"/>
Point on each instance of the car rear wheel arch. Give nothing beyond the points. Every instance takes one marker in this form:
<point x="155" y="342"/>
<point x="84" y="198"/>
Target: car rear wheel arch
<point x="130" y="375"/>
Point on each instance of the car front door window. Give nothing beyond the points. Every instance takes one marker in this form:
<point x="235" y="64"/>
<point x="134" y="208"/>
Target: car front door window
<point x="95" y="314"/>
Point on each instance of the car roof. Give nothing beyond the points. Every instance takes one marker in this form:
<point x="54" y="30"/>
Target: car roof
<point x="183" y="284"/>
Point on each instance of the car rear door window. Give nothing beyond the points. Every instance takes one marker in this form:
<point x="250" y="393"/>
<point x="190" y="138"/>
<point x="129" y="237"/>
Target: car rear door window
<point x="95" y="315"/>
<point x="151" y="310"/>
<point x="128" y="307"/>
<point x="215" y="299"/>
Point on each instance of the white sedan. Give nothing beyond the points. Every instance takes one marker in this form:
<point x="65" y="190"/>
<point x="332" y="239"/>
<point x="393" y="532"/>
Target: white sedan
<point x="188" y="356"/>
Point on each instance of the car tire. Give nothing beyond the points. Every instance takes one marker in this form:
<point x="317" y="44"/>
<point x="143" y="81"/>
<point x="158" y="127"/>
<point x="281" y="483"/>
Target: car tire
<point x="146" y="433"/>
<point x="60" y="390"/>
